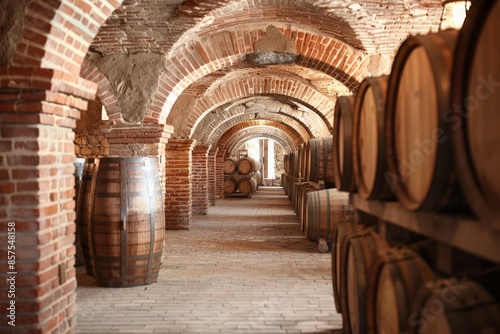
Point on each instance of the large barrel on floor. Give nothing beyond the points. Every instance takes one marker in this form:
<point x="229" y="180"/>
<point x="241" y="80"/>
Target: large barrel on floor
<point x="127" y="225"/>
<point x="357" y="255"/>
<point x="248" y="165"/>
<point x="78" y="164"/>
<point x="230" y="166"/>
<point x="319" y="161"/>
<point x="420" y="158"/>
<point x="455" y="306"/>
<point x="394" y="281"/>
<point x="325" y="208"/>
<point x="342" y="144"/>
<point x="369" y="152"/>
<point x="82" y="212"/>
<point x="302" y="193"/>
<point x="230" y="184"/>
<point x="473" y="122"/>
<point x="344" y="228"/>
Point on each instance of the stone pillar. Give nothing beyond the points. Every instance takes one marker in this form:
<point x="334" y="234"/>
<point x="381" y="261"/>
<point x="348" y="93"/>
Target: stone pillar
<point x="200" y="179"/>
<point x="38" y="112"/>
<point x="212" y="180"/>
<point x="178" y="195"/>
<point x="219" y="173"/>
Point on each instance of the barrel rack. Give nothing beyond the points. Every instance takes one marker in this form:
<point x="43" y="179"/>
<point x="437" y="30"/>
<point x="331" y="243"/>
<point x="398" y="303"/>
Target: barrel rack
<point x="458" y="230"/>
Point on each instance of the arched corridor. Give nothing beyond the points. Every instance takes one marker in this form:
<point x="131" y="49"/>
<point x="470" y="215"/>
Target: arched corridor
<point x="245" y="267"/>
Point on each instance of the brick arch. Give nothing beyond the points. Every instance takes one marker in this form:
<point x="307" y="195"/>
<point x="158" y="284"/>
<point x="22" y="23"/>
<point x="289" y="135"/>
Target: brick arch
<point x="105" y="91"/>
<point x="57" y="34"/>
<point x="214" y="136"/>
<point x="290" y="135"/>
<point x="242" y="140"/>
<point x="237" y="87"/>
<point x="226" y="49"/>
<point x="235" y="135"/>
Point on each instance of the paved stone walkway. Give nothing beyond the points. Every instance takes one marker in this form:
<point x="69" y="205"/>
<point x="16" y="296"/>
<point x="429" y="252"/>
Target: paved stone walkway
<point x="243" y="268"/>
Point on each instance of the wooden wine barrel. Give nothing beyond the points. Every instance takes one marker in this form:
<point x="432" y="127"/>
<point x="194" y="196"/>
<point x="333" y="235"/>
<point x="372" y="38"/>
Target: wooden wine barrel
<point x="419" y="153"/>
<point x="312" y="161"/>
<point x="302" y="162"/>
<point x="342" y="144"/>
<point x="394" y="281"/>
<point x="325" y="209"/>
<point x="127" y="226"/>
<point x="78" y="164"/>
<point x="454" y="306"/>
<point x="247" y="165"/>
<point x="294" y="160"/>
<point x="83" y="213"/>
<point x="474" y="118"/>
<point x="230" y="166"/>
<point x="368" y="140"/>
<point x="343" y="228"/>
<point x="302" y="204"/>
<point x="247" y="185"/>
<point x="319" y="161"/>
<point x="230" y="185"/>
<point x="357" y="255"/>
<point x="286" y="163"/>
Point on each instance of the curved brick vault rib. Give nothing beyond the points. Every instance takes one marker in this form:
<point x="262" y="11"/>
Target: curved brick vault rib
<point x="235" y="136"/>
<point x="226" y="49"/>
<point x="105" y="92"/>
<point x="268" y="127"/>
<point x="57" y="34"/>
<point x="215" y="129"/>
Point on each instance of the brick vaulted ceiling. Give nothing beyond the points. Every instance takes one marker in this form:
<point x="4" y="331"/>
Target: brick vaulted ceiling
<point x="185" y="63"/>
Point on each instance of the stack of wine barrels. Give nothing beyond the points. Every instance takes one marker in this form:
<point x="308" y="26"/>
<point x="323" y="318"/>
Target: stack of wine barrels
<point x="120" y="220"/>
<point x="426" y="136"/>
<point x="241" y="176"/>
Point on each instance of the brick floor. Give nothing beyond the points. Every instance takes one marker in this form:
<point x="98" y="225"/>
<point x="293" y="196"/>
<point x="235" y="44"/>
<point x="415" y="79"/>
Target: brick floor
<point x="243" y="268"/>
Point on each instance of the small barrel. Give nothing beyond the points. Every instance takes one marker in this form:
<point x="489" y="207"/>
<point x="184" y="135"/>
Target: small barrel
<point x="368" y="140"/>
<point x="247" y="185"/>
<point x="394" y="281"/>
<point x="419" y="153"/>
<point x="247" y="165"/>
<point x="343" y="228"/>
<point x="127" y="225"/>
<point x="473" y="121"/>
<point x="357" y="255"/>
<point x="342" y="144"/>
<point x="230" y="166"/>
<point x="83" y="213"/>
<point x="325" y="209"/>
<point x="454" y="306"/>
<point x="230" y="185"/>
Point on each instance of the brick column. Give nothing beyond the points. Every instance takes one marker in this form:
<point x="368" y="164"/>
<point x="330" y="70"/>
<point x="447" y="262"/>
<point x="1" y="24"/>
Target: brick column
<point x="212" y="180"/>
<point x="178" y="195"/>
<point x="219" y="173"/>
<point x="200" y="179"/>
<point x="38" y="112"/>
<point x="144" y="140"/>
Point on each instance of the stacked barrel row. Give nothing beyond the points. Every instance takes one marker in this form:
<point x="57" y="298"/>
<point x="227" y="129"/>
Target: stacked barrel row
<point x="426" y="136"/>
<point x="241" y="176"/>
<point x="309" y="183"/>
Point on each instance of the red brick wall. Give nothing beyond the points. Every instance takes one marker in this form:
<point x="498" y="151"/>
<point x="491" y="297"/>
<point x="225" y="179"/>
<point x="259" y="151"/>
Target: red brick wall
<point x="212" y="176"/>
<point x="200" y="178"/>
<point x="38" y="112"/>
<point x="219" y="173"/>
<point x="178" y="195"/>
